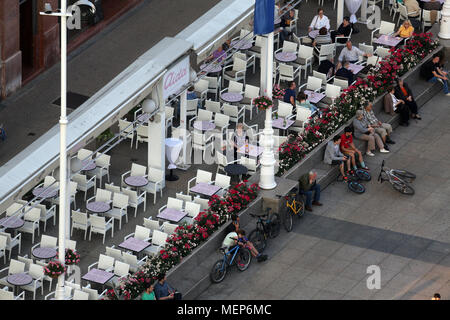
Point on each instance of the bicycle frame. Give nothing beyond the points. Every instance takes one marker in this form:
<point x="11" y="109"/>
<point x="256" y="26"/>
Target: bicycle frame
<point x="293" y="204"/>
<point x="226" y="254"/>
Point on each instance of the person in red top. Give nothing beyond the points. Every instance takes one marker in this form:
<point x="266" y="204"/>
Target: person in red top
<point x="348" y="148"/>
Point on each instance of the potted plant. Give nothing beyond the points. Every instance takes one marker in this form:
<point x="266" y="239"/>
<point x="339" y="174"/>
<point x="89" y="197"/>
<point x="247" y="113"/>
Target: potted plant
<point x="277" y="92"/>
<point x="263" y="102"/>
<point x="103" y="137"/>
<point x="54" y="269"/>
<point x="72" y="257"/>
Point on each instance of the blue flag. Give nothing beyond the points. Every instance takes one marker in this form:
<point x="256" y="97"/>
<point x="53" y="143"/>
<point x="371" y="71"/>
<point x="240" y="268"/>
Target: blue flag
<point x="264" y="16"/>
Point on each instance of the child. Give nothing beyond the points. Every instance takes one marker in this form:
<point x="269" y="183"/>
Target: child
<point x="243" y="241"/>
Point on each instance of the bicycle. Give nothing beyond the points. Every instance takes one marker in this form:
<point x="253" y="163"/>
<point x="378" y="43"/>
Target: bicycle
<point x="294" y="207"/>
<point x="267" y="226"/>
<point x="238" y="255"/>
<point x="399" y="179"/>
<point x="352" y="181"/>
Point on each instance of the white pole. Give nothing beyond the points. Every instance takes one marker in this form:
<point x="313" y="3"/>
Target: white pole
<point x="340" y="13"/>
<point x="267" y="177"/>
<point x="445" y="21"/>
<point x="182" y="128"/>
<point x="63" y="153"/>
<point x="364" y="11"/>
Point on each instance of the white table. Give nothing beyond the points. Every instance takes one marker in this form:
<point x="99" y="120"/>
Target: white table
<point x="173" y="149"/>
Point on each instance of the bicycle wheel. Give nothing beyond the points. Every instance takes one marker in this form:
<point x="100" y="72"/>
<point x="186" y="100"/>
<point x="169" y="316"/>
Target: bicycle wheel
<point x="288" y="219"/>
<point x="403" y="187"/>
<point x="218" y="271"/>
<point x="275" y="225"/>
<point x="243" y="259"/>
<point x="356" y="187"/>
<point x="363" y="175"/>
<point x="301" y="207"/>
<point x="257" y="238"/>
<point x="405" y="174"/>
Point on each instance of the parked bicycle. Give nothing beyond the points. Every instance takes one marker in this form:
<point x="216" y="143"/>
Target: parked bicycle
<point x="353" y="178"/>
<point x="267" y="226"/>
<point x="399" y="179"/>
<point x="294" y="207"/>
<point x="237" y="255"/>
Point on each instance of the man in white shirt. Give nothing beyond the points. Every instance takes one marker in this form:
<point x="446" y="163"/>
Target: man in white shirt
<point x="319" y="21"/>
<point x="350" y="54"/>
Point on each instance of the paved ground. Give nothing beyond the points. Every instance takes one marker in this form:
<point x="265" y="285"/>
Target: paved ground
<point x="327" y="253"/>
<point x="91" y="66"/>
<point x="129" y="33"/>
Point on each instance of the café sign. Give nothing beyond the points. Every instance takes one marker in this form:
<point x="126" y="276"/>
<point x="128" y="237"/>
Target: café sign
<point x="176" y="78"/>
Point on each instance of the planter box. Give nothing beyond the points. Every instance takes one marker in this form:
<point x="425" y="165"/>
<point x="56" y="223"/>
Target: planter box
<point x="327" y="173"/>
<point x="191" y="276"/>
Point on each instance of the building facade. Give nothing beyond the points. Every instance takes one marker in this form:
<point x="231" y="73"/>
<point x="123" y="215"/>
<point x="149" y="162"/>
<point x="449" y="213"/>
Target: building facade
<point x="29" y="42"/>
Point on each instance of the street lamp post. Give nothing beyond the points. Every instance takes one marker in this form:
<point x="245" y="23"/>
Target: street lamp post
<point x="445" y="21"/>
<point x="63" y="182"/>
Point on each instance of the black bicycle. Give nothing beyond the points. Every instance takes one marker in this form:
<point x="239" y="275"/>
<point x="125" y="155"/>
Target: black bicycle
<point x="267" y="226"/>
<point x="399" y="179"/>
<point x="237" y="255"/>
<point x="353" y="178"/>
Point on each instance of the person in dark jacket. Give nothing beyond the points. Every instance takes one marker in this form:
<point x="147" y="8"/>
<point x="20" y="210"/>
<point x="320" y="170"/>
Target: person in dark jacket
<point x="403" y="92"/>
<point x="327" y="66"/>
<point x="343" y="31"/>
<point x="393" y="105"/>
<point x="308" y="185"/>
<point x="345" y="73"/>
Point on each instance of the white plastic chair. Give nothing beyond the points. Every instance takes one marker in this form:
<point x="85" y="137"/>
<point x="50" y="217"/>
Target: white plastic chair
<point x="80" y="221"/>
<point x="80" y="295"/>
<point x="201" y="89"/>
<point x="213" y="106"/>
<point x="213" y="85"/>
<point x="302" y="118"/>
<point x="192" y="209"/>
<point x="37" y="273"/>
<point x="201" y="142"/>
<point x="288" y="73"/>
<point x="324" y="51"/>
<point x="284" y="110"/>
<point x="202" y="115"/>
<point x="155" y="179"/>
<point x="105" y="263"/>
<point x="191" y="108"/>
<point x="31" y="224"/>
<point x="184" y="197"/>
<point x="304" y="58"/>
<point x="288" y="46"/>
<point x="119" y="208"/>
<point x="84" y="154"/>
<point x="404" y="14"/>
<point x="236" y="72"/>
<point x="341" y="83"/>
<point x="136" y="170"/>
<point x="103" y="162"/>
<point x="158" y="242"/>
<point x="84" y="184"/>
<point x="114" y="253"/>
<point x="14" y="210"/>
<point x="250" y="93"/>
<point x="151" y="224"/>
<point x="202" y="176"/>
<point x="172" y="203"/>
<point x="204" y="203"/>
<point x="386" y="28"/>
<point x="12" y="242"/>
<point x="9" y="295"/>
<point x="133" y="261"/>
<point x="126" y="130"/>
<point x="382" y="52"/>
<point x="135" y="199"/>
<point x="112" y="188"/>
<point x="100" y="225"/>
<point x="251" y="164"/>
<point x="222" y="181"/>
<point x="168" y="227"/>
<point x="141" y="134"/>
<point x="121" y="270"/>
<point x="93" y="293"/>
<point x="141" y="233"/>
<point x="3" y="241"/>
<point x="14" y="267"/>
<point x="234" y="112"/>
<point x="332" y="92"/>
<point x="313" y="84"/>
